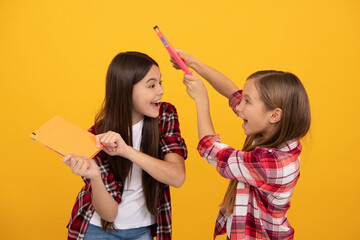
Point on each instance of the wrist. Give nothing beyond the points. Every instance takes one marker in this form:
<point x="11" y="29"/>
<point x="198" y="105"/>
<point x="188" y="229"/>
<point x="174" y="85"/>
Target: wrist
<point x="193" y="63"/>
<point x="96" y="177"/>
<point x="202" y="101"/>
<point x="127" y="152"/>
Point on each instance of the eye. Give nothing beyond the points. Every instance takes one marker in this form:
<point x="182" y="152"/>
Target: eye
<point x="160" y="83"/>
<point x="246" y="101"/>
<point x="152" y="86"/>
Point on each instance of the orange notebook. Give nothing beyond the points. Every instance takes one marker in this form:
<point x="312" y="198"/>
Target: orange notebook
<point x="65" y="138"/>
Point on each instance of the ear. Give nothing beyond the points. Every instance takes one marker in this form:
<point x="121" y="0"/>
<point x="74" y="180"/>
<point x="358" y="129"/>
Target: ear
<point x="276" y="115"/>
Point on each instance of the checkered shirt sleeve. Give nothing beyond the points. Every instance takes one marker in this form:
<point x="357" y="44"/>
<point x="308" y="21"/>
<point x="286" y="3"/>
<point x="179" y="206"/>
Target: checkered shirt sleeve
<point x="171" y="140"/>
<point x="235" y="100"/>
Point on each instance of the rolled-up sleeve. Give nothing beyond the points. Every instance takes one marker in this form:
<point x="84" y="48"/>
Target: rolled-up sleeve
<point x="235" y="100"/>
<point x="171" y="140"/>
<point x="231" y="163"/>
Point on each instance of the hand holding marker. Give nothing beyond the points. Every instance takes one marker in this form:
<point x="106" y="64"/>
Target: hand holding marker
<point x="172" y="51"/>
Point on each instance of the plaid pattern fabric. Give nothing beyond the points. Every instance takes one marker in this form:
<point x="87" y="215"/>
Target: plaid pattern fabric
<point x="170" y="142"/>
<point x="266" y="181"/>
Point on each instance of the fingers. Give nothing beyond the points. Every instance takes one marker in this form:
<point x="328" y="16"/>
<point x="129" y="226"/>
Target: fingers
<point x="83" y="166"/>
<point x="195" y="87"/>
<point x="92" y="162"/>
<point x="103" y="138"/>
<point x="191" y="78"/>
<point x="184" y="56"/>
<point x="79" y="165"/>
<point x="109" y="140"/>
<point x="174" y="63"/>
<point x="67" y="159"/>
<point x="187" y="80"/>
<point x="97" y="139"/>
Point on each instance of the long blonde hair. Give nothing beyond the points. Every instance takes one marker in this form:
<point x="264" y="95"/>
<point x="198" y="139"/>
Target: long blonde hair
<point x="277" y="90"/>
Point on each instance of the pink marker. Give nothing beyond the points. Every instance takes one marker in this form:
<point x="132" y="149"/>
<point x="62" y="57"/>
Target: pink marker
<point x="172" y="51"/>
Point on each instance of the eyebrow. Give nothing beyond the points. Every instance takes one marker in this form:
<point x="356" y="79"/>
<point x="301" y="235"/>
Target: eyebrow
<point x="153" y="79"/>
<point x="248" y="96"/>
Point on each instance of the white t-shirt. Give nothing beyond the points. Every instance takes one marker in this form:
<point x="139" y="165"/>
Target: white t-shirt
<point x="132" y="211"/>
<point x="228" y="225"/>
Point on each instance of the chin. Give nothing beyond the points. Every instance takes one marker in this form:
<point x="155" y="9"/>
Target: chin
<point x="153" y="115"/>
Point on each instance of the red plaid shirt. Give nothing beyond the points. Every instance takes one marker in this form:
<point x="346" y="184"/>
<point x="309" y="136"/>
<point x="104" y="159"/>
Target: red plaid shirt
<point x="266" y="181"/>
<point x="170" y="142"/>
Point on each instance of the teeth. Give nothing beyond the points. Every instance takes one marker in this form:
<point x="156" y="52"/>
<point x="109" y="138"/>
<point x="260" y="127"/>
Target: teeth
<point x="157" y="102"/>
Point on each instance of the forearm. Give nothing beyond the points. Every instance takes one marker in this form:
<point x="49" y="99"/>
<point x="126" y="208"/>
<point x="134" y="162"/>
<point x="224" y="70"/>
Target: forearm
<point x="204" y="122"/>
<point x="218" y="81"/>
<point x="170" y="172"/>
<point x="104" y="204"/>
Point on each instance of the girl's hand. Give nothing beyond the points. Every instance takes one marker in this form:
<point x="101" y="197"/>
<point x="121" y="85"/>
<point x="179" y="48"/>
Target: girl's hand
<point x="188" y="59"/>
<point x="113" y="143"/>
<point x="195" y="87"/>
<point x="82" y="166"/>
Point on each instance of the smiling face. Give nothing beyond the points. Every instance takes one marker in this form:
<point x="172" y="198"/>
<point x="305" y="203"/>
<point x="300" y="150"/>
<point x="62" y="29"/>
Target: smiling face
<point x="146" y="95"/>
<point x="257" y="119"/>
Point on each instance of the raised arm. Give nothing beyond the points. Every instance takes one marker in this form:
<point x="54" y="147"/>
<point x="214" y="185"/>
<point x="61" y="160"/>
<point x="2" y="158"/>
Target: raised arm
<point x="197" y="91"/>
<point x="218" y="81"/>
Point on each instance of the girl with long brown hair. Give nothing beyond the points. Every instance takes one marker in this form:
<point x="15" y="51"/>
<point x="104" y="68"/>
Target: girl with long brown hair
<point x="126" y="193"/>
<point x="275" y="110"/>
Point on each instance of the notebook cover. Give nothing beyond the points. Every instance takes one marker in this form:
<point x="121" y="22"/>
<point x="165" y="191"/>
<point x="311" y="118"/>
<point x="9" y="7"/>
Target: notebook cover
<point x="64" y="137"/>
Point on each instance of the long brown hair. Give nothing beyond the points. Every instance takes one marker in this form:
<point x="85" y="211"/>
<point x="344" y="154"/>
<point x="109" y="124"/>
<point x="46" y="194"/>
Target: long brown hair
<point x="125" y="70"/>
<point x="277" y="90"/>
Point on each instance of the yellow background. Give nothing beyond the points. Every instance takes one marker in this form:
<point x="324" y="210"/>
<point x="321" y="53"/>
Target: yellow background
<point x="53" y="60"/>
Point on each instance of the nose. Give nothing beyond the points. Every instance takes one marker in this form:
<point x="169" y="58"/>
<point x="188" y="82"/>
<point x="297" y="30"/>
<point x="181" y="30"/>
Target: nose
<point x="239" y="108"/>
<point x="160" y="90"/>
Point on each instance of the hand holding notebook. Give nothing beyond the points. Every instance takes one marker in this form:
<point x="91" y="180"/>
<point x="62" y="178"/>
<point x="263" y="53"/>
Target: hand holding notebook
<point x="65" y="138"/>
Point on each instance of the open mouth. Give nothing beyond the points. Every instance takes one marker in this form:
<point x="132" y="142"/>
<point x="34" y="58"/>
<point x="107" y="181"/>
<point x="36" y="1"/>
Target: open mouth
<point x="243" y="118"/>
<point x="156" y="104"/>
<point x="245" y="121"/>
